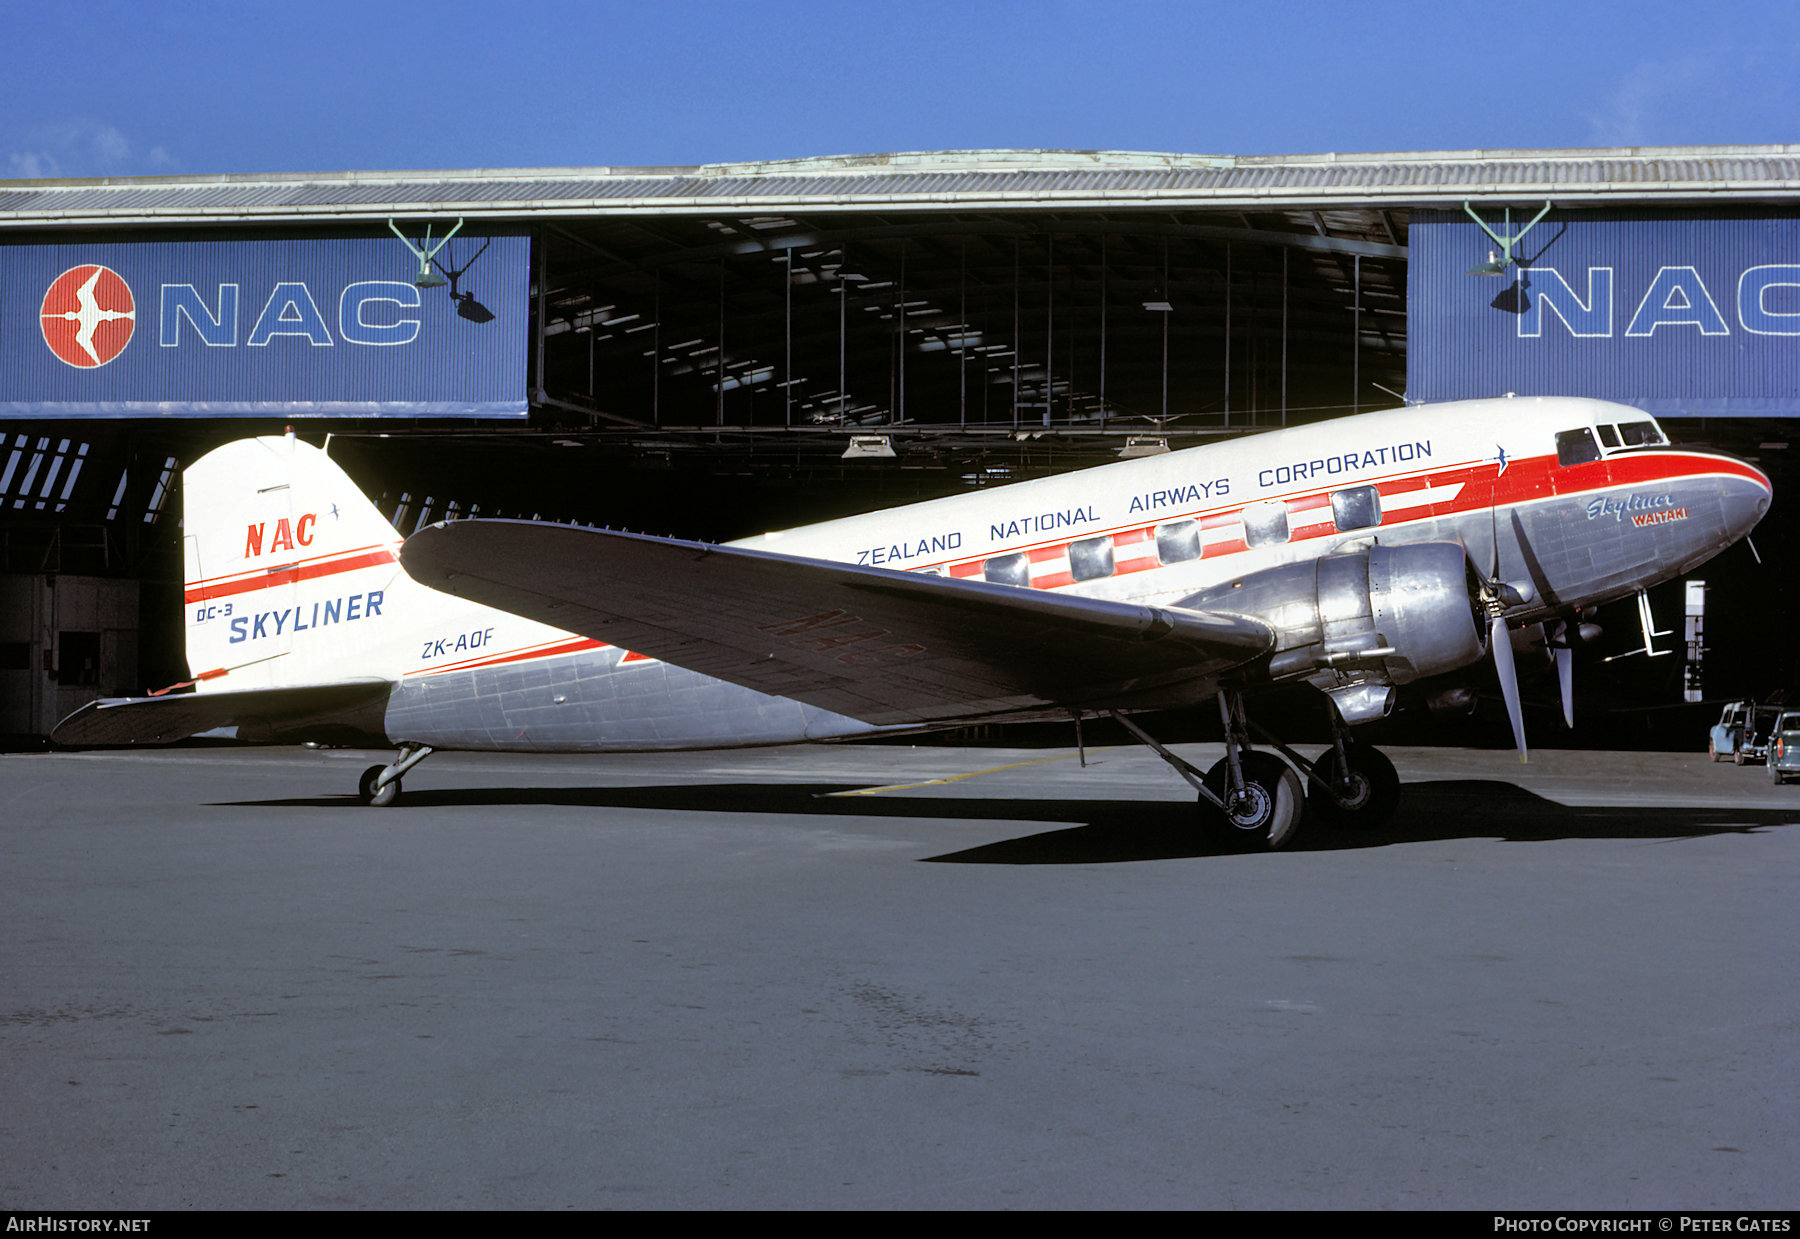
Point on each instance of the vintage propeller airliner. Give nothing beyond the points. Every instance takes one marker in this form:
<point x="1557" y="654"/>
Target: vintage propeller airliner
<point x="1355" y="556"/>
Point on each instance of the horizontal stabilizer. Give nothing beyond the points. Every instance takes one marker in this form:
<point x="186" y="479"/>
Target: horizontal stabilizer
<point x="878" y="645"/>
<point x="164" y="720"/>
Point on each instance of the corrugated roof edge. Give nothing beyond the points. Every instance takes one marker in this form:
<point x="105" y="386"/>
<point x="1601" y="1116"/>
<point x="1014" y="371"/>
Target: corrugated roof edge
<point x="921" y="161"/>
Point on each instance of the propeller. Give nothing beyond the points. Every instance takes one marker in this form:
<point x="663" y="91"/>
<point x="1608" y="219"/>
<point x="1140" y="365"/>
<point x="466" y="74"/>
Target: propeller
<point x="1497" y="596"/>
<point x="1556" y="640"/>
<point x="1501" y="645"/>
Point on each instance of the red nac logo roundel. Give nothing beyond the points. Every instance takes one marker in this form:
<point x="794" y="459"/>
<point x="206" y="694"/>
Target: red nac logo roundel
<point x="88" y="316"/>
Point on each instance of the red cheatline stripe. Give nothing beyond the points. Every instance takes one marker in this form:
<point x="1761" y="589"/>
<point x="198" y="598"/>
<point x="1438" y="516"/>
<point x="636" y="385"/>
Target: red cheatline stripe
<point x="252" y="573"/>
<point x="287" y="576"/>
<point x="574" y="645"/>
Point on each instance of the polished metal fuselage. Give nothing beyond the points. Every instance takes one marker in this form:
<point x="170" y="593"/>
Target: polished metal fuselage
<point x="1483" y="475"/>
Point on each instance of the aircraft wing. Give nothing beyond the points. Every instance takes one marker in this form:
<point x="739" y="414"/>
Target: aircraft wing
<point x="164" y="720"/>
<point x="882" y="646"/>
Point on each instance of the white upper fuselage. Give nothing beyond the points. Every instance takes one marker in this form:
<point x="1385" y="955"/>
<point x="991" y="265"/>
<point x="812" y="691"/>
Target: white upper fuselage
<point x="1430" y="466"/>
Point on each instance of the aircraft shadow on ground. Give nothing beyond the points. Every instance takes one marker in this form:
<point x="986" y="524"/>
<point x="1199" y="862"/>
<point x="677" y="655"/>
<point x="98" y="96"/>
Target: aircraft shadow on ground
<point x="1120" y="830"/>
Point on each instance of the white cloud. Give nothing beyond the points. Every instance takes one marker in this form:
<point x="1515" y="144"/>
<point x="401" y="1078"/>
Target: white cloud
<point x="82" y="148"/>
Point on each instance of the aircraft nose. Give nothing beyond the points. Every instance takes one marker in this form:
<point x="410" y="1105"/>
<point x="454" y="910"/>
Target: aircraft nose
<point x="1745" y="498"/>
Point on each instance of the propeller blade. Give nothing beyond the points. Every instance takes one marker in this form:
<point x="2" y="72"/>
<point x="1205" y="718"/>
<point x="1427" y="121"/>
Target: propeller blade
<point x="1565" y="680"/>
<point x="1509" y="679"/>
<point x="1559" y="640"/>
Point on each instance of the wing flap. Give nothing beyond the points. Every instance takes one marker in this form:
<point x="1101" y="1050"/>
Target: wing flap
<point x="878" y="645"/>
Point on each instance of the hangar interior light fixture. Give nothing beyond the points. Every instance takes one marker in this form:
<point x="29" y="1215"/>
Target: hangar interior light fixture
<point x="1138" y="446"/>
<point x="425" y="252"/>
<point x="869" y="447"/>
<point x="1499" y="260"/>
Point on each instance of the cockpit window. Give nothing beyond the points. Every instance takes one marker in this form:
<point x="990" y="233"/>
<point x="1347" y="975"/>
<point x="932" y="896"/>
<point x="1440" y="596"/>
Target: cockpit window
<point x="1609" y="436"/>
<point x="1576" y="447"/>
<point x="1641" y="434"/>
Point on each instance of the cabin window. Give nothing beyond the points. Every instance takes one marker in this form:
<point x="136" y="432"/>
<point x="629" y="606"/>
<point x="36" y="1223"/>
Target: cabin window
<point x="1012" y="569"/>
<point x="1265" y="523"/>
<point x="1358" y="507"/>
<point x="1576" y="447"/>
<point x="1091" y="559"/>
<point x="1642" y="434"/>
<point x="1609" y="436"/>
<point x="1178" y="542"/>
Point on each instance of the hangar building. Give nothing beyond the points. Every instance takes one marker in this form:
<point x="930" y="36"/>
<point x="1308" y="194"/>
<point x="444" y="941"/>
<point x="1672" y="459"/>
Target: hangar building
<point x="712" y="351"/>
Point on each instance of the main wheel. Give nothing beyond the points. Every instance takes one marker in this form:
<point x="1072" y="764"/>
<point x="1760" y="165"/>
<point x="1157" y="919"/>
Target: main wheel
<point x="1775" y="775"/>
<point x="367" y="792"/>
<point x="1267" y="815"/>
<point x="1365" y="796"/>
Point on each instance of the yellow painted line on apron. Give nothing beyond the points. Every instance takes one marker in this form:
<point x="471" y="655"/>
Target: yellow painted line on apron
<point x="954" y="778"/>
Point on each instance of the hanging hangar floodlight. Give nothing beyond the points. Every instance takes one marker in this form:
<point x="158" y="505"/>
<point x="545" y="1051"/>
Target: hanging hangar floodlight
<point x="427" y="278"/>
<point x="864" y="447"/>
<point x="1499" y="261"/>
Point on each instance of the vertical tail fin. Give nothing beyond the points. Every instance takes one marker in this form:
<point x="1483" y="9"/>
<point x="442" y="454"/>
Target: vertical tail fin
<point x="292" y="576"/>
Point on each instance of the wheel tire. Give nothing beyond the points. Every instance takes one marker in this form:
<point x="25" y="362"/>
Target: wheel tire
<point x="1373" y="796"/>
<point x="1268" y="817"/>
<point x="369" y="795"/>
<point x="1775" y="775"/>
<point x="1737" y="757"/>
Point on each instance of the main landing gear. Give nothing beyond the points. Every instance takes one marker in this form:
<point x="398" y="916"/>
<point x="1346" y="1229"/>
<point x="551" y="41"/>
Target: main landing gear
<point x="380" y="785"/>
<point x="1254" y="800"/>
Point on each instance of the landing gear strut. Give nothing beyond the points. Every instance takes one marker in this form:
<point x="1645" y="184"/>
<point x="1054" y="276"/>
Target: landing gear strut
<point x="380" y="785"/>
<point x="1351" y="784"/>
<point x="1252" y="800"/>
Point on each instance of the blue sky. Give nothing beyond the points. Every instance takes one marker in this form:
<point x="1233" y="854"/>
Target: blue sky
<point x="113" y="89"/>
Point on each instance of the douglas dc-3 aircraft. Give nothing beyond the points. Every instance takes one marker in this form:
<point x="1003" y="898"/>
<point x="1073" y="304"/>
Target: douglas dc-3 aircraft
<point x="1356" y="556"/>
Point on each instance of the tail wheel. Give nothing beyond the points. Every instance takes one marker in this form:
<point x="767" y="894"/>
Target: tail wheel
<point x="369" y="794"/>
<point x="1363" y="796"/>
<point x="1267" y="815"/>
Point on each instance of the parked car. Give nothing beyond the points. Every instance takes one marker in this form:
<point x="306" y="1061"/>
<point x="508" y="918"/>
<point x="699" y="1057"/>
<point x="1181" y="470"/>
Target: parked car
<point x="1758" y="727"/>
<point x="1722" y="743"/>
<point x="1784" y="747"/>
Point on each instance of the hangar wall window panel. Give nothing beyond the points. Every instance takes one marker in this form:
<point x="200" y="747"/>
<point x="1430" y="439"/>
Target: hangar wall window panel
<point x="1091" y="559"/>
<point x="1008" y="569"/>
<point x="1178" y="542"/>
<point x="157" y="497"/>
<point x="1358" y="507"/>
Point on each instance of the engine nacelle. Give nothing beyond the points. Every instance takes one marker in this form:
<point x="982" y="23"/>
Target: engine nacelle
<point x="1390" y="614"/>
